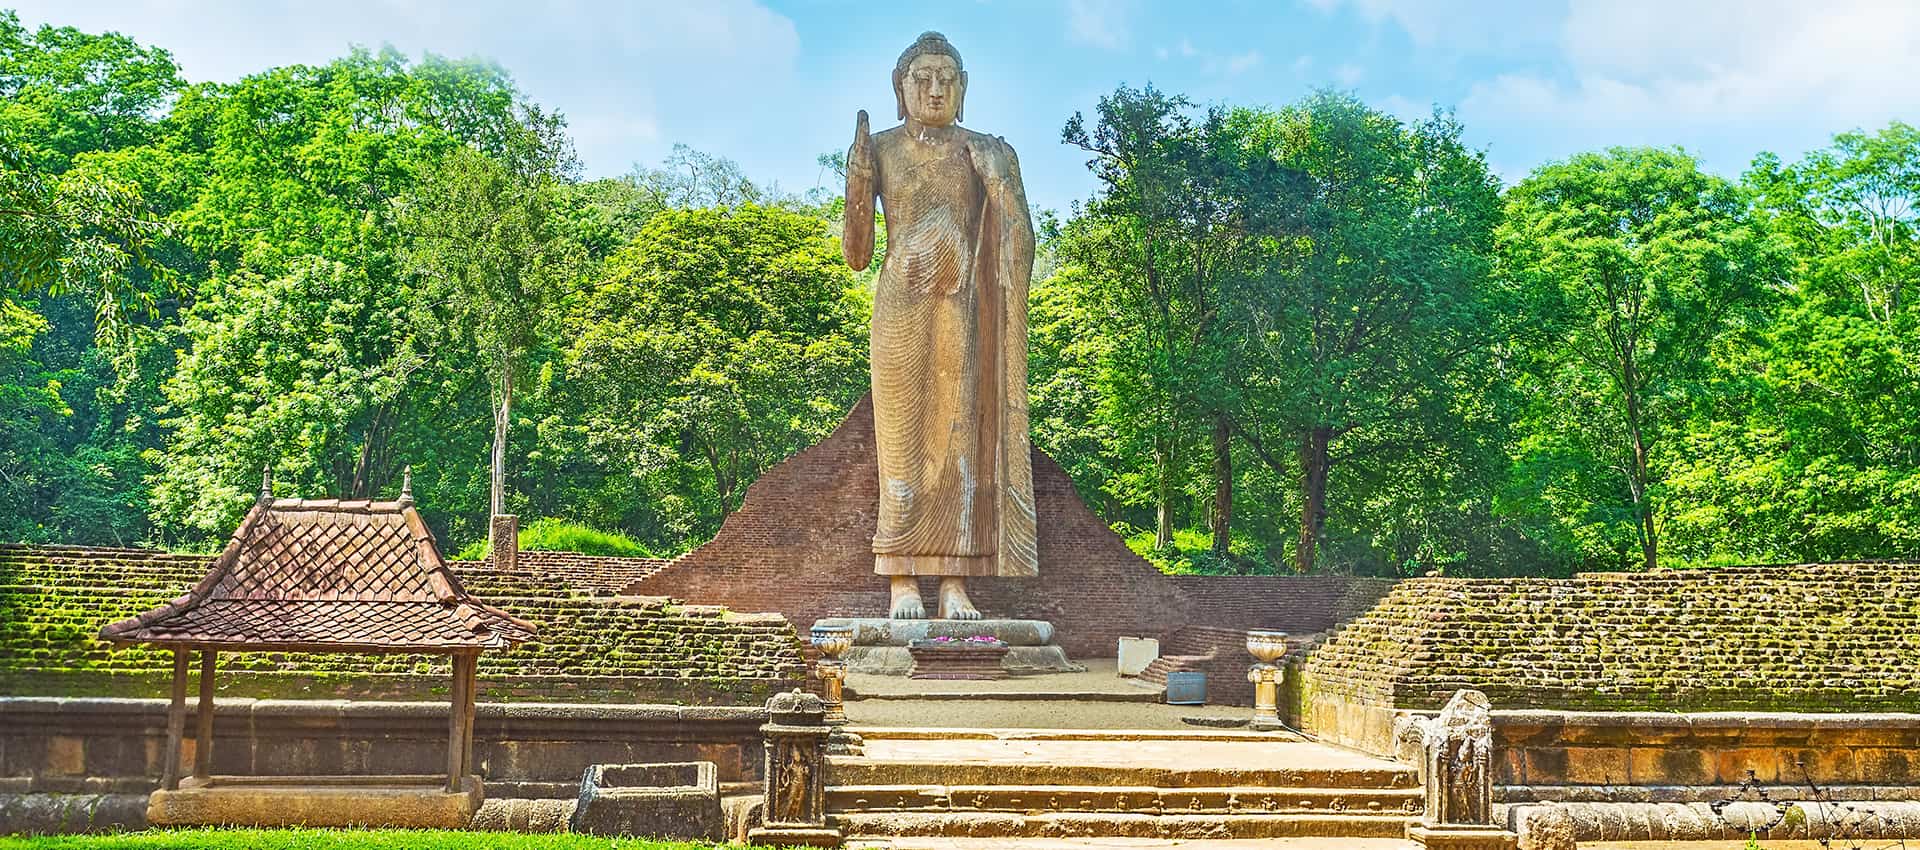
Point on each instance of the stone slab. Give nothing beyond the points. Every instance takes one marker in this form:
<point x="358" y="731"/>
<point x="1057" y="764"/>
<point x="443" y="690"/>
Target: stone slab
<point x="1019" y="660"/>
<point x="292" y="805"/>
<point x="882" y="631"/>
<point x="1135" y="653"/>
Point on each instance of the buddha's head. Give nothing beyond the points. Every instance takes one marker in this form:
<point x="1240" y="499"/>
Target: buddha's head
<point x="929" y="83"/>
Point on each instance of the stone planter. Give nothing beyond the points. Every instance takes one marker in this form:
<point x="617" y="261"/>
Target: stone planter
<point x="668" y="800"/>
<point x="957" y="659"/>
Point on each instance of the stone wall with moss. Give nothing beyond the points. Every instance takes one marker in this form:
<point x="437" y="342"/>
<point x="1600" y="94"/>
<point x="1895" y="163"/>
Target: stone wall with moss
<point x="53" y="601"/>
<point x="1807" y="638"/>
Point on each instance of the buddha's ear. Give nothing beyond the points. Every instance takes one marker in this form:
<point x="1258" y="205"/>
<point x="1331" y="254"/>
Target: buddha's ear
<point x="960" y="108"/>
<point x="899" y="95"/>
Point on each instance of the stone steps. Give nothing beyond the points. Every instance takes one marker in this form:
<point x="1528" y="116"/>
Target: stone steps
<point x="1122" y="799"/>
<point x="857" y="825"/>
<point x="1134" y="784"/>
<point x="846" y="771"/>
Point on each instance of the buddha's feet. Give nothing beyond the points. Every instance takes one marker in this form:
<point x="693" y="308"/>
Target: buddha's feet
<point x="906" y="600"/>
<point x="954" y="604"/>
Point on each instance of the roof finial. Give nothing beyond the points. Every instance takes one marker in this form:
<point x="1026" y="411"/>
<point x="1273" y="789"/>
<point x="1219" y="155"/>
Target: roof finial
<point x="406" y="483"/>
<point x="266" y="482"/>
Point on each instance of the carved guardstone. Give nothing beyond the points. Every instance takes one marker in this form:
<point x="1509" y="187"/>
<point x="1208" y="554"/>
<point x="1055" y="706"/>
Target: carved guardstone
<point x="795" y="808"/>
<point x="1456" y="768"/>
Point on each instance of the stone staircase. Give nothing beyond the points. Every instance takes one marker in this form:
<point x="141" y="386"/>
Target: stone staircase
<point x="1122" y="784"/>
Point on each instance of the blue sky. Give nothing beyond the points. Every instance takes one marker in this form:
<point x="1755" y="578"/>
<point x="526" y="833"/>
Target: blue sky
<point x="773" y="84"/>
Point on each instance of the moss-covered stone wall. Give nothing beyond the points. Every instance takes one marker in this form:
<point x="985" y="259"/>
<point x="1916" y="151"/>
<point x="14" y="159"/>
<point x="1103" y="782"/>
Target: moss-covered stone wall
<point x="1808" y="637"/>
<point x="53" y="601"/>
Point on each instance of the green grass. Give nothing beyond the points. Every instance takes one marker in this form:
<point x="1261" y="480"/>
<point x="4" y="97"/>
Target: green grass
<point x="333" y="839"/>
<point x="559" y="535"/>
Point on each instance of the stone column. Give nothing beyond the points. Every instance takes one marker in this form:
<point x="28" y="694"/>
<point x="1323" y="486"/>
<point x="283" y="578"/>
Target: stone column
<point x="1457" y="770"/>
<point x="794" y="811"/>
<point x="504" y="536"/>
<point x="1267" y="646"/>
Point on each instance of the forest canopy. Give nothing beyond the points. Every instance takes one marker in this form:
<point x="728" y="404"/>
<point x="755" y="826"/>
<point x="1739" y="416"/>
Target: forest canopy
<point x="1313" y="338"/>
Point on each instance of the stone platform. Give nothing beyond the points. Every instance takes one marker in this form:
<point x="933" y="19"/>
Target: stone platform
<point x="880" y="643"/>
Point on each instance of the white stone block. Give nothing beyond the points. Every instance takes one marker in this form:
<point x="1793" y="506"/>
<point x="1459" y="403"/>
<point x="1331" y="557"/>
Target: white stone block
<point x="1136" y="653"/>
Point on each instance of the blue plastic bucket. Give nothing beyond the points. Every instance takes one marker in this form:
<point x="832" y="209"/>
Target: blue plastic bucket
<point x="1186" y="688"/>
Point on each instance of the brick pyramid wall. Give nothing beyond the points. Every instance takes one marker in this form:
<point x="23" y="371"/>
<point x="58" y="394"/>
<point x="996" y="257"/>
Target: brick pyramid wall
<point x="1807" y="637"/>
<point x="801" y="544"/>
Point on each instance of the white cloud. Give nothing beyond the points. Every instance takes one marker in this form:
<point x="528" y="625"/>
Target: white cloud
<point x="1210" y="62"/>
<point x="1100" y="23"/>
<point x="615" y="69"/>
<point x="1642" y="63"/>
<point x="1455" y="24"/>
<point x="1349" y="74"/>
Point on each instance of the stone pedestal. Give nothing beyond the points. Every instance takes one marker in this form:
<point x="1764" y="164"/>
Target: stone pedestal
<point x="959" y="659"/>
<point x="795" y="808"/>
<point x="880" y="644"/>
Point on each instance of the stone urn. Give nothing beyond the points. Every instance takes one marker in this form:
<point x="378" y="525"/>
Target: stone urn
<point x="1266" y="645"/>
<point x="958" y="658"/>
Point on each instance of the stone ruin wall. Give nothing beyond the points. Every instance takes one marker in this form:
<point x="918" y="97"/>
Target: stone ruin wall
<point x="74" y="765"/>
<point x="1804" y="675"/>
<point x="53" y="601"/>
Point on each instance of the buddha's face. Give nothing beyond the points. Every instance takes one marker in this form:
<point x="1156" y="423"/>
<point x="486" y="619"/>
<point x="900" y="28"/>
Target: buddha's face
<point x="934" y="88"/>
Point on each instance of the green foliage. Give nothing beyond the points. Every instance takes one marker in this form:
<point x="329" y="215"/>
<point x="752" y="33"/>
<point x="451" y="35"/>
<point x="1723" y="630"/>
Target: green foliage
<point x="550" y="534"/>
<point x="716" y="344"/>
<point x="1631" y="266"/>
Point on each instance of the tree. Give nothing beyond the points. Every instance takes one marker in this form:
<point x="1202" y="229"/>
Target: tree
<point x="1177" y="216"/>
<point x="492" y="240"/>
<point x="1814" y="456"/>
<point x="1374" y="320"/>
<point x="717" y="343"/>
<point x="296" y="190"/>
<point x="1635" y="264"/>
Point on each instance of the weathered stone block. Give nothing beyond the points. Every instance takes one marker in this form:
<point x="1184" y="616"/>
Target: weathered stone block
<point x="1597" y="765"/>
<point x="668" y="800"/>
<point x="1670" y="766"/>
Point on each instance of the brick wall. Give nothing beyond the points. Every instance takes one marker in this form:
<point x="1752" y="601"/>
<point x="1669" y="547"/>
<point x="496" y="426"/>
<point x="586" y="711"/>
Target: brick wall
<point x="1297" y="605"/>
<point x="53" y="601"/>
<point x="1808" y="637"/>
<point x="598" y="574"/>
<point x="801" y="544"/>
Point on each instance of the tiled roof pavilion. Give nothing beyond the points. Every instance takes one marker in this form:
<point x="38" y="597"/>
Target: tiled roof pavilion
<point x="320" y="575"/>
<point x="327" y="575"/>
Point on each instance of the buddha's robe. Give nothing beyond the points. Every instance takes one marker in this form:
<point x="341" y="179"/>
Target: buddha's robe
<point x="949" y="346"/>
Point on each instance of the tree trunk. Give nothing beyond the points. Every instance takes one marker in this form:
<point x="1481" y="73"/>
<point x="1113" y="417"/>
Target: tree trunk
<point x="1163" y="493"/>
<point x="501" y="416"/>
<point x="1637" y="477"/>
<point x="1222" y="485"/>
<point x="1313" y="496"/>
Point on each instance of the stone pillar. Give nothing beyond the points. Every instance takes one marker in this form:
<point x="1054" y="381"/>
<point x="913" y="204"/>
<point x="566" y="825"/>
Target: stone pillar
<point x="794" y="809"/>
<point x="504" y="537"/>
<point x="1267" y="647"/>
<point x="1457" y="770"/>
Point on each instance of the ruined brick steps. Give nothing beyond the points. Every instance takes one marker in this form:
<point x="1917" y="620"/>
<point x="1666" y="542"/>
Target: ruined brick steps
<point x="1120" y="799"/>
<point x="1118" y="825"/>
